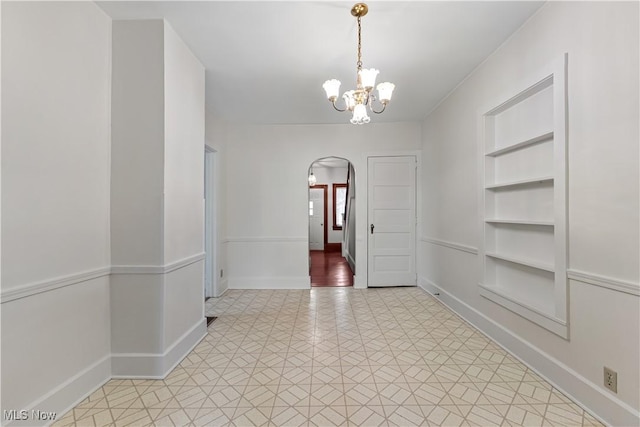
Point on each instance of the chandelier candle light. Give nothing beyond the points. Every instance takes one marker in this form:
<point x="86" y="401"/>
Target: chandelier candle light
<point x="362" y="97"/>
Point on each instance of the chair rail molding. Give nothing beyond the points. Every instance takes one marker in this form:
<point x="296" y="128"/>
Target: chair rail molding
<point x="157" y="269"/>
<point x="24" y="291"/>
<point x="448" y="244"/>
<point x="611" y="283"/>
<point x="268" y="239"/>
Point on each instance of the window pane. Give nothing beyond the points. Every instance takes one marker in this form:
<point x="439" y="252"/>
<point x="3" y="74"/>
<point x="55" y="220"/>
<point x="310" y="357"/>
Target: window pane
<point x="340" y="201"/>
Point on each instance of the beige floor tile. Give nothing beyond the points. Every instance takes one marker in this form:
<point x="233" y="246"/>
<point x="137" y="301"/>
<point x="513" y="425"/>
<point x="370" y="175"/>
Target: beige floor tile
<point x="290" y="416"/>
<point x="296" y="375"/>
<point x="252" y="416"/>
<point x="324" y="394"/>
<point x="357" y="374"/>
<point x="260" y="395"/>
<point x="332" y="357"/>
<point x="366" y="416"/>
<point x="396" y="393"/>
<point x="364" y="394"/>
<point x="323" y="416"/>
<point x="405" y="416"/>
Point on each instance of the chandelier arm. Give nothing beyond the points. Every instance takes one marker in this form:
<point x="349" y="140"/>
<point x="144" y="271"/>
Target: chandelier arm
<point x="384" y="106"/>
<point x="338" y="109"/>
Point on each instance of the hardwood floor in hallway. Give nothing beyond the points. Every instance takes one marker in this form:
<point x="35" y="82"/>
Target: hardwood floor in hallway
<point x="330" y="268"/>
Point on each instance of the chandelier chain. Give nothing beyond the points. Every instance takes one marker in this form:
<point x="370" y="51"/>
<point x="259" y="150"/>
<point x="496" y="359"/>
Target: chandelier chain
<point x="359" y="63"/>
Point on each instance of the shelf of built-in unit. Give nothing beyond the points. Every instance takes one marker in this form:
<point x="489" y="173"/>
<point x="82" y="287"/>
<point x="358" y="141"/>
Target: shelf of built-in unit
<point x="529" y="263"/>
<point x="536" y="305"/>
<point x="520" y="183"/>
<point x="519" y="222"/>
<point x="522" y="144"/>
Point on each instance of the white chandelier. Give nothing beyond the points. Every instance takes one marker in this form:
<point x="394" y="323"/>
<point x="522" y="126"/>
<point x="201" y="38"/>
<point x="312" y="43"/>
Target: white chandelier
<point x="362" y="97"/>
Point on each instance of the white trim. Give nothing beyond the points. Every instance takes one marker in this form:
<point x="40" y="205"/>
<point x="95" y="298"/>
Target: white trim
<point x="137" y="269"/>
<point x="176" y="265"/>
<point x="223" y="286"/>
<point x="260" y="239"/>
<point x="288" y="282"/>
<point x="451" y="245"/>
<point x="350" y="259"/>
<point x="211" y="250"/>
<point x="157" y="269"/>
<point x="546" y="320"/>
<point x="70" y="393"/>
<point x="157" y="365"/>
<point x="617" y="285"/>
<point x="606" y="407"/>
<point x="24" y="291"/>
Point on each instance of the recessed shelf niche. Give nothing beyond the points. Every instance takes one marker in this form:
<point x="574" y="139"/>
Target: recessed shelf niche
<point x="522" y="158"/>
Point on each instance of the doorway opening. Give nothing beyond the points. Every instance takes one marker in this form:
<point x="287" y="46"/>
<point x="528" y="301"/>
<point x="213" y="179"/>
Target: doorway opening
<point x="210" y="277"/>
<point x="331" y="222"/>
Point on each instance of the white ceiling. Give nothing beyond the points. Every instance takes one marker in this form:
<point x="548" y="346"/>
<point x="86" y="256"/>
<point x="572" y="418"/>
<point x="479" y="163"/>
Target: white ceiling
<point x="266" y="61"/>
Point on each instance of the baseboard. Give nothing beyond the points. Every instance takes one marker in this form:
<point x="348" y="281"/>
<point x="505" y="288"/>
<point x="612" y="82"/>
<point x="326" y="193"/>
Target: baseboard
<point x="350" y="260"/>
<point x="289" y="282"/>
<point x="224" y="287"/>
<point x="183" y="346"/>
<point x="333" y="247"/>
<point x="359" y="284"/>
<point x="67" y="395"/>
<point x="156" y="365"/>
<point x="608" y="409"/>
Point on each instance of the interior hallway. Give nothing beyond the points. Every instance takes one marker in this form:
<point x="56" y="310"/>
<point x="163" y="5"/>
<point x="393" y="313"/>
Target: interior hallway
<point x="334" y="357"/>
<point x="329" y="268"/>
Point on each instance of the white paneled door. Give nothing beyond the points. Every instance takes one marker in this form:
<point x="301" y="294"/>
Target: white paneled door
<point x="392" y="221"/>
<point x="316" y="218"/>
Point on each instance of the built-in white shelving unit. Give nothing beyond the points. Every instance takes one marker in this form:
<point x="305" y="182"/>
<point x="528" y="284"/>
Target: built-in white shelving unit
<point x="518" y="221"/>
<point x="520" y="182"/>
<point x="523" y="253"/>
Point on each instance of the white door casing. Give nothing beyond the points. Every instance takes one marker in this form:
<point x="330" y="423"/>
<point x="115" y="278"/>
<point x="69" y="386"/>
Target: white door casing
<point x="316" y="218"/>
<point x="210" y="282"/>
<point x="391" y="221"/>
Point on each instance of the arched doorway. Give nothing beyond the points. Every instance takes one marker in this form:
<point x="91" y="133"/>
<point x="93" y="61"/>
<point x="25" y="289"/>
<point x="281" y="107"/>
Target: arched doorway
<point x="331" y="222"/>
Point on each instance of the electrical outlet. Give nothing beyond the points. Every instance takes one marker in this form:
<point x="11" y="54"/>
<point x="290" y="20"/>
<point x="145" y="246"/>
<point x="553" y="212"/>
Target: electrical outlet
<point x="611" y="379"/>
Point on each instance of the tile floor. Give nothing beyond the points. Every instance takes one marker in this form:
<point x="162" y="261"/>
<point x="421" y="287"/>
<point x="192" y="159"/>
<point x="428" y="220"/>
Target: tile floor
<point x="335" y="357"/>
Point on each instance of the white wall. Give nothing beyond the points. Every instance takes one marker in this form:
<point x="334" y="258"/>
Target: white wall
<point x="137" y="162"/>
<point x="56" y="64"/>
<point x="267" y="194"/>
<point x="137" y="176"/>
<point x="183" y="150"/>
<point x="601" y="39"/>
<point x="184" y="124"/>
<point x="157" y="290"/>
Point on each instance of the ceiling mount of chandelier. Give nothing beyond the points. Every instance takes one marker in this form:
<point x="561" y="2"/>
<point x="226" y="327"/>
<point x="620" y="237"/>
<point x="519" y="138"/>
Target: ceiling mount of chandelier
<point x="357" y="100"/>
